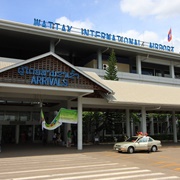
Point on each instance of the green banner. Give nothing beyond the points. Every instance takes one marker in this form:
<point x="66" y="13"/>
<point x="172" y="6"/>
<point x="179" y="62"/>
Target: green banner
<point x="63" y="116"/>
<point x="68" y="116"/>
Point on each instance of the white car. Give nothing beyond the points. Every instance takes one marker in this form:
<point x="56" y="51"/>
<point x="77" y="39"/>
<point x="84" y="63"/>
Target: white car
<point x="138" y="143"/>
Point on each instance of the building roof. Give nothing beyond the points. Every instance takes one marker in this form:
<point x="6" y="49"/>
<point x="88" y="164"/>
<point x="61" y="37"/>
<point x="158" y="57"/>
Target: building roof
<point x="142" y="94"/>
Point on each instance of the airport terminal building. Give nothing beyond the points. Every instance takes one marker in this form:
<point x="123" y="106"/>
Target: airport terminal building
<point x="55" y="66"/>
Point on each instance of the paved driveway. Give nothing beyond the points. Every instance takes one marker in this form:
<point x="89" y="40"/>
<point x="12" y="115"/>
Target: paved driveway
<point x="93" y="162"/>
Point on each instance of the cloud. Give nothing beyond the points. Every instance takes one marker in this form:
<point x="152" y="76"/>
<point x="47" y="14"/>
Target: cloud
<point x="143" y="8"/>
<point x="147" y="36"/>
<point x="78" y="24"/>
<point x="175" y="43"/>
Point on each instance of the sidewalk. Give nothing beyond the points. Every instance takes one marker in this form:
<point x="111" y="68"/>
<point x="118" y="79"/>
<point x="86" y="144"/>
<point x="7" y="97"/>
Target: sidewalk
<point x="13" y="150"/>
<point x="170" y="144"/>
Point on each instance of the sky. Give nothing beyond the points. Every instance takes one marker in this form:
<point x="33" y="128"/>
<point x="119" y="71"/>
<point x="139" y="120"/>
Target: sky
<point x="146" y="20"/>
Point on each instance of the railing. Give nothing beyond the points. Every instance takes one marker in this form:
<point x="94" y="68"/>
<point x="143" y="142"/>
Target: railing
<point x="123" y="76"/>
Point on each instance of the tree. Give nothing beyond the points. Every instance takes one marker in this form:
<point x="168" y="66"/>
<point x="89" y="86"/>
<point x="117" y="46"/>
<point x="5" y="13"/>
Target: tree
<point x="111" y="71"/>
<point x="111" y="74"/>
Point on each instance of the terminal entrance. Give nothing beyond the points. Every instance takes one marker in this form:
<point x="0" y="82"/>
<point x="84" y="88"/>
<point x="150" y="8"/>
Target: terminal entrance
<point x="21" y="134"/>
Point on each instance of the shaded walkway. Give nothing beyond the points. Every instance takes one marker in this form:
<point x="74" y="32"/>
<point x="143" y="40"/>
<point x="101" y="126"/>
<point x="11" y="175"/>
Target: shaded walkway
<point x="12" y="150"/>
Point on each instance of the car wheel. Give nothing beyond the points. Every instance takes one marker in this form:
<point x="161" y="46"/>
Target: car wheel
<point x="154" y="148"/>
<point x="130" y="150"/>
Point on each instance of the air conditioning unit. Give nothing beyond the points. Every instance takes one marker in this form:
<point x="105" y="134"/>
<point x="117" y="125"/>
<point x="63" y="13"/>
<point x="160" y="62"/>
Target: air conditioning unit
<point x="105" y="66"/>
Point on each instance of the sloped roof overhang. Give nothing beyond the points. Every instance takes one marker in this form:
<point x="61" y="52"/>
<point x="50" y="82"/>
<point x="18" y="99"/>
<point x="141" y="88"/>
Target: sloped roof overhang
<point x="135" y="95"/>
<point x="48" y="91"/>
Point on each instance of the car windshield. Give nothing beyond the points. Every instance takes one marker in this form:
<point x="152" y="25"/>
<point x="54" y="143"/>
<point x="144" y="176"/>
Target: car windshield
<point x="132" y="139"/>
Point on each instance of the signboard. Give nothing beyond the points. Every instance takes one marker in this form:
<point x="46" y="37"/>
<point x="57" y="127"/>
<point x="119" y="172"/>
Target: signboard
<point x="48" y="77"/>
<point x="101" y="35"/>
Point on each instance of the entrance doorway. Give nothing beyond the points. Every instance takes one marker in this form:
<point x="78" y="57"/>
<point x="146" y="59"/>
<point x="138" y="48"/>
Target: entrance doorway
<point x="26" y="133"/>
<point x="8" y="134"/>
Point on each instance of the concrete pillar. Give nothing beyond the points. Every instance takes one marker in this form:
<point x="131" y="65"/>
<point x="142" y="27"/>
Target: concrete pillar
<point x="122" y="128"/>
<point x="174" y="127"/>
<point x="157" y="125"/>
<point x="17" y="134"/>
<point x="0" y="134"/>
<point x="80" y="129"/>
<point x="0" y="138"/>
<point x="168" y="128"/>
<point x="52" y="46"/>
<point x="171" y="69"/>
<point x="143" y="120"/>
<point x="67" y="126"/>
<point x="138" y="65"/>
<point x="33" y="133"/>
<point x="127" y="123"/>
<point x="151" y="126"/>
<point x="132" y="127"/>
<point x="99" y="59"/>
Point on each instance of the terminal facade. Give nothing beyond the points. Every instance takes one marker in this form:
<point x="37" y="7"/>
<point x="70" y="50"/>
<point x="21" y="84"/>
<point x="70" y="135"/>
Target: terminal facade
<point x="52" y="66"/>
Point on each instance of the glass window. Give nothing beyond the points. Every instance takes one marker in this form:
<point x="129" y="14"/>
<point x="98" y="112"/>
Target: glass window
<point x="1" y="116"/>
<point x="11" y="116"/>
<point x="150" y="139"/>
<point x="177" y="75"/>
<point x="148" y="71"/>
<point x="144" y="139"/>
<point x="166" y="74"/>
<point x="177" y="72"/>
<point x="24" y="116"/>
<point x="132" y="139"/>
<point x="158" y="73"/>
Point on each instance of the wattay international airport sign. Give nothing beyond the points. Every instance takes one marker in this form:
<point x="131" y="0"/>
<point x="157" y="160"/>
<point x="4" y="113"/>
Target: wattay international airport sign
<point x="101" y="35"/>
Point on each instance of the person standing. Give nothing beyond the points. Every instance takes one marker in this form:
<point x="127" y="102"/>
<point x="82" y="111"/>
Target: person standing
<point x="69" y="138"/>
<point x="55" y="138"/>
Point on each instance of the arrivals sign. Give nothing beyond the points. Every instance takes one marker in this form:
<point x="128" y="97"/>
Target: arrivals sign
<point x="101" y="35"/>
<point x="48" y="77"/>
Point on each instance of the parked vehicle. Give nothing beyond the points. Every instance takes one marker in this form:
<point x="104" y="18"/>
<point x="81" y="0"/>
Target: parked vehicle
<point x="138" y="143"/>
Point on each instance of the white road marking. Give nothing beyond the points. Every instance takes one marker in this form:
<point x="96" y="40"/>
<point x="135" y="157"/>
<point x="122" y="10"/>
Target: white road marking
<point x="77" y="173"/>
<point x="47" y="169"/>
<point x="164" y="178"/>
<point x="102" y="175"/>
<point x="127" y="177"/>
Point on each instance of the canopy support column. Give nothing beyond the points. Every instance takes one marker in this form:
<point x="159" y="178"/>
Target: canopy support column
<point x="17" y="134"/>
<point x="143" y="120"/>
<point x="52" y="46"/>
<point x="80" y="132"/>
<point x="127" y="123"/>
<point x="99" y="59"/>
<point x="152" y="126"/>
<point x="172" y="70"/>
<point x="138" y="65"/>
<point x="174" y="127"/>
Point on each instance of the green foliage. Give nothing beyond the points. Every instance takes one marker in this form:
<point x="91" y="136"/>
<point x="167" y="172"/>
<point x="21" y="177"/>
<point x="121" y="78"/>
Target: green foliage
<point x="111" y="71"/>
<point x="91" y="124"/>
<point x="135" y="117"/>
